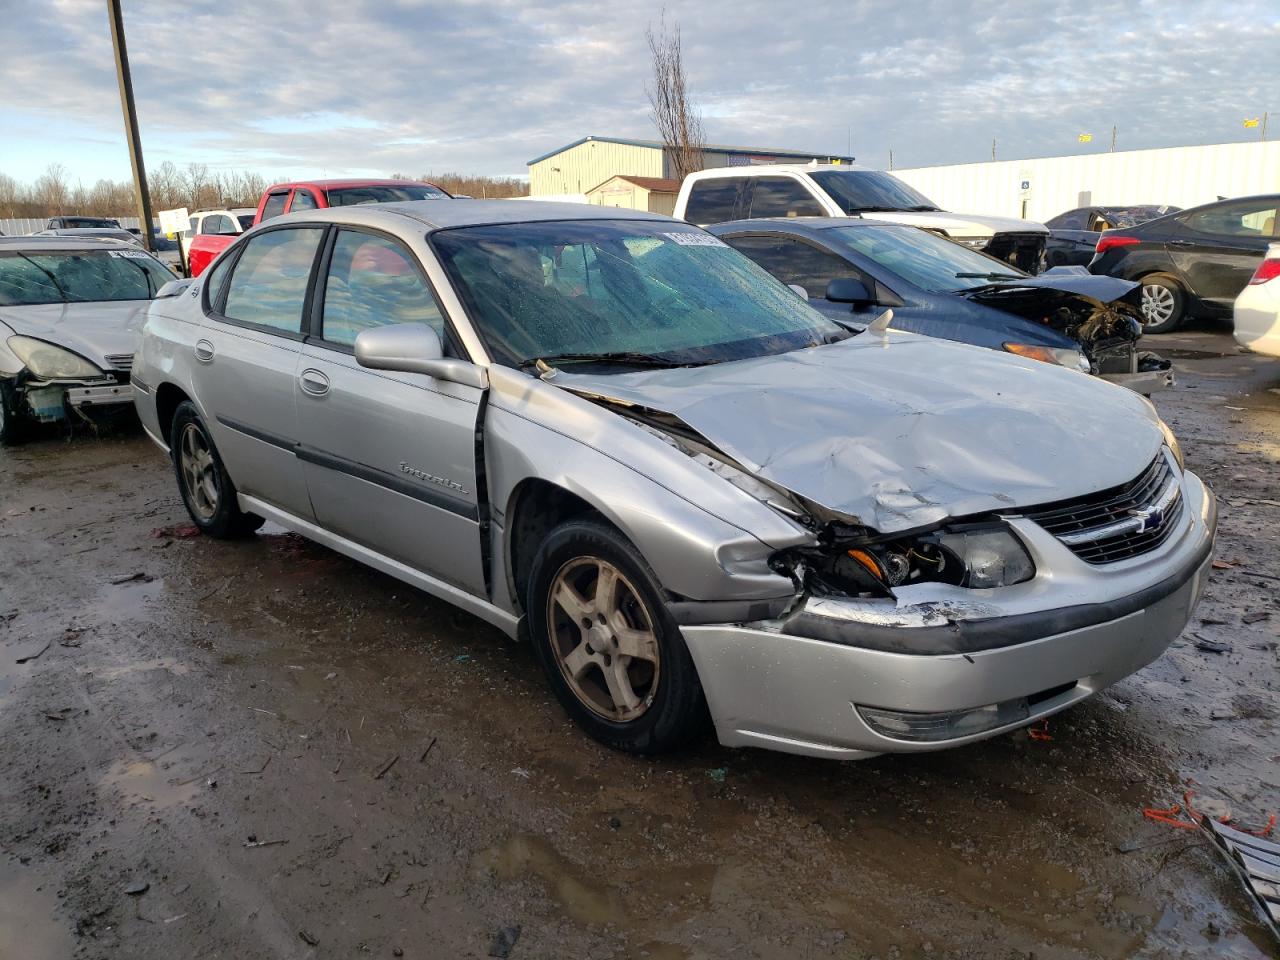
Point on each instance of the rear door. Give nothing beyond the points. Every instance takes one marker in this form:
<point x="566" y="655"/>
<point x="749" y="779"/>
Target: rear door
<point x="247" y="353"/>
<point x="1217" y="249"/>
<point x="389" y="458"/>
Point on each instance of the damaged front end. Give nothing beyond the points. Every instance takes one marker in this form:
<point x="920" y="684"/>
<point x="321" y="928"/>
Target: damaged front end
<point x="1105" y="322"/>
<point x="55" y="385"/>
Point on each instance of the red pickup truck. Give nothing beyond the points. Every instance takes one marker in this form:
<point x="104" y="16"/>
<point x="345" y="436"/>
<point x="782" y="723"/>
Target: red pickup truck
<point x="310" y="195"/>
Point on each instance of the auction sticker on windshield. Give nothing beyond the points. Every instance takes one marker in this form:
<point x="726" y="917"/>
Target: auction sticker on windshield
<point x="130" y="254"/>
<point x="696" y="239"/>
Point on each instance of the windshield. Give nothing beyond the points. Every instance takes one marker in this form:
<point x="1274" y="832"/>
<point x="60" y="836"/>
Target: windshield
<point x="383" y="193"/>
<point x="657" y="290"/>
<point x="931" y="262"/>
<point x="868" y="190"/>
<point x="79" y="276"/>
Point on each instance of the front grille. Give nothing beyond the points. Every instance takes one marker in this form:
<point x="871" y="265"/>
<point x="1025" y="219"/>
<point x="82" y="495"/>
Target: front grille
<point x="120" y="362"/>
<point x="1123" y="522"/>
<point x="1024" y="250"/>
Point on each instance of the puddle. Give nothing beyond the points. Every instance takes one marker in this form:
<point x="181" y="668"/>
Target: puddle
<point x="160" y="783"/>
<point x="585" y="900"/>
<point x="28" y="928"/>
<point x="160" y="663"/>
<point x="127" y="599"/>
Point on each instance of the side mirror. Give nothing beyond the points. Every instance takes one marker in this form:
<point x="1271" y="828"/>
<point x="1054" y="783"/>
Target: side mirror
<point x="174" y="288"/>
<point x="799" y="290"/>
<point x="849" y="290"/>
<point x="415" y="348"/>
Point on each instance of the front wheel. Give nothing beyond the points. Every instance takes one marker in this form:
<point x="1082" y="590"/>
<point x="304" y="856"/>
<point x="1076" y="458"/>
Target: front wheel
<point x="607" y="644"/>
<point x="1163" y="304"/>
<point x="206" y="489"/>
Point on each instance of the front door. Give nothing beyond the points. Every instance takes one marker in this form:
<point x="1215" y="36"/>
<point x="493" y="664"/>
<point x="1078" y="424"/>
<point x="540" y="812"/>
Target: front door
<point x="389" y="458"/>
<point x="1217" y="249"/>
<point x="247" y="353"/>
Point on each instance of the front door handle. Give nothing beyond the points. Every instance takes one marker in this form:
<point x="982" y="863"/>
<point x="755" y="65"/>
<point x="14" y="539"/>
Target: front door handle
<point x="313" y="382"/>
<point x="204" y="351"/>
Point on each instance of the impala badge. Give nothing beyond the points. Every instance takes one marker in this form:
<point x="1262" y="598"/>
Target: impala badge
<point x="431" y="478"/>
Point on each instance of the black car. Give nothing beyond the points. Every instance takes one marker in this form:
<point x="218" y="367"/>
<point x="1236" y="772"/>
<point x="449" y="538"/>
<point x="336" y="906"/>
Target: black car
<point x="78" y="223"/>
<point x="1191" y="263"/>
<point x="1074" y="234"/>
<point x="851" y="269"/>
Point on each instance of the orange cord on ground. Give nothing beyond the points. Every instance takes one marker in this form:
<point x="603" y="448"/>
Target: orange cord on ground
<point x="1040" y="732"/>
<point x="1173" y="816"/>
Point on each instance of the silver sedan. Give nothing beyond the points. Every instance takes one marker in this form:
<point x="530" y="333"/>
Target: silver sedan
<point x="610" y="434"/>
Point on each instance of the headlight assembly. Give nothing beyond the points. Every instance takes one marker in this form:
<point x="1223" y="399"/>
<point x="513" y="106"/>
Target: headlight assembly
<point x="1062" y="356"/>
<point x="978" y="556"/>
<point x="50" y="362"/>
<point x="1174" y="446"/>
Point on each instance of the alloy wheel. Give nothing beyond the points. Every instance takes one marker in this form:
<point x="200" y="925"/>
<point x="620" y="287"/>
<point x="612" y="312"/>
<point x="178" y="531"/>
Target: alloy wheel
<point x="199" y="474"/>
<point x="603" y="638"/>
<point x="1158" y="304"/>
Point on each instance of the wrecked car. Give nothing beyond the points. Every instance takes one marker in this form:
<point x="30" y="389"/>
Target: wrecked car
<point x="67" y="306"/>
<point x="852" y="270"/>
<point x="610" y="434"/>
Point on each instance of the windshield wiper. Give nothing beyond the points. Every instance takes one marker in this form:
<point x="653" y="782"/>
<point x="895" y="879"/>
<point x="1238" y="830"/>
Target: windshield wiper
<point x="925" y="208"/>
<point x="872" y="209"/>
<point x="624" y="357"/>
<point x="47" y="273"/>
<point x="988" y="276"/>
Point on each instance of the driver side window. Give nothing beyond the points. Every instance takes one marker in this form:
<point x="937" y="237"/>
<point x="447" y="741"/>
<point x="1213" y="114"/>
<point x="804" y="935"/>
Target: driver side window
<point x="799" y="263"/>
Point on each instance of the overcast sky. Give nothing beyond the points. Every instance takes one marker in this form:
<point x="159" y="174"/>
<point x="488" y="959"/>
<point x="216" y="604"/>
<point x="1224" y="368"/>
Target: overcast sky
<point x="310" y="87"/>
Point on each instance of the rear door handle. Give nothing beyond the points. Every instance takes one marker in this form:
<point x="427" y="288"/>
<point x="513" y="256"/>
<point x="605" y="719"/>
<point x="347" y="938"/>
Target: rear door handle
<point x="204" y="351"/>
<point x="313" y="382"/>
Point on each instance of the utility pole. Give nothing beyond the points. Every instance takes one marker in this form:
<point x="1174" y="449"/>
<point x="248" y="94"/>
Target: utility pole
<point x="1113" y="139"/>
<point x="993" y="148"/>
<point x="891" y="159"/>
<point x="131" y="122"/>
<point x="1262" y="135"/>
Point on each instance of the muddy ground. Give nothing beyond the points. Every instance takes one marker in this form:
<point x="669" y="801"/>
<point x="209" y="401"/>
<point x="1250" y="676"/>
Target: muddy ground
<point x="414" y="790"/>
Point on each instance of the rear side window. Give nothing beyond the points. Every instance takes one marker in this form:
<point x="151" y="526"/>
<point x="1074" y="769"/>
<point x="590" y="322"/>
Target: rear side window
<point x="1244" y="218"/>
<point x="713" y="201"/>
<point x="374" y="281"/>
<point x="274" y="206"/>
<point x="797" y="262"/>
<point x="268" y="284"/>
<point x="783" y="197"/>
<point x="302" y="200"/>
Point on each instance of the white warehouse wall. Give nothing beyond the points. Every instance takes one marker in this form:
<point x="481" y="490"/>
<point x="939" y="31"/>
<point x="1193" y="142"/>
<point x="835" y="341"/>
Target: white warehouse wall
<point x="1180" y="176"/>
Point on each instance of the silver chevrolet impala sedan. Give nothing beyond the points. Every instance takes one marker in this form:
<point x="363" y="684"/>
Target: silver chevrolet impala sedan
<point x="608" y="433"/>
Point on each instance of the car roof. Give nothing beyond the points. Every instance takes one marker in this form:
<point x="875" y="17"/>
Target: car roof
<point x="798" y="224"/>
<point x="352" y="182"/>
<point x="79" y="241"/>
<point x="764" y="169"/>
<point x="443" y="214"/>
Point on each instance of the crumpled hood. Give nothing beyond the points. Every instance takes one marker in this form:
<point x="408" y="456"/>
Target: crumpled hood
<point x="900" y="431"/>
<point x="958" y="224"/>
<point x="1106" y="289"/>
<point x="92" y="330"/>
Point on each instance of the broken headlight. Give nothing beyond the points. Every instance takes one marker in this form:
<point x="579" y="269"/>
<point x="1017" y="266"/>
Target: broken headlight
<point x="978" y="556"/>
<point x="51" y="362"/>
<point x="1062" y="356"/>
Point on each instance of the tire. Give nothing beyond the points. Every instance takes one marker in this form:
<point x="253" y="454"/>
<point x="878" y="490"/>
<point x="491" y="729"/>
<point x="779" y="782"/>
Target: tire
<point x="207" y="490"/>
<point x="13" y="425"/>
<point x="586" y="669"/>
<point x="1163" y="303"/>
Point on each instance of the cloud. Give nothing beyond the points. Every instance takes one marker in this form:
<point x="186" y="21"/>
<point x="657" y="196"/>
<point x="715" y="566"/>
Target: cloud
<point x="303" y="87"/>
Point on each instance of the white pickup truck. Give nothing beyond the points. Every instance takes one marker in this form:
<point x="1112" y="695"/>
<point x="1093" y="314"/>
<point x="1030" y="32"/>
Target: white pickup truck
<point x="845" y="190"/>
<point x="230" y="222"/>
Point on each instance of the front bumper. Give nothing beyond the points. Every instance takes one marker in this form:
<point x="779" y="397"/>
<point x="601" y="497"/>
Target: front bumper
<point x="800" y="694"/>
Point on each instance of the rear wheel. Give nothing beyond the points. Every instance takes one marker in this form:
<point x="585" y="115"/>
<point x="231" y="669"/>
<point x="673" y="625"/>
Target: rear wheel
<point x="1163" y="303"/>
<point x="607" y="644"/>
<point x="207" y="490"/>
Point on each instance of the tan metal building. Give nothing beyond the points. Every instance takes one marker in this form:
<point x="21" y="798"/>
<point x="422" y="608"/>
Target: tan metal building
<point x="654" y="194"/>
<point x="586" y="164"/>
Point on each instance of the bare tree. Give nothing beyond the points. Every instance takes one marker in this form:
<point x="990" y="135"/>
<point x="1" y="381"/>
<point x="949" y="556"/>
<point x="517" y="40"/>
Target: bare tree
<point x="674" y="113"/>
